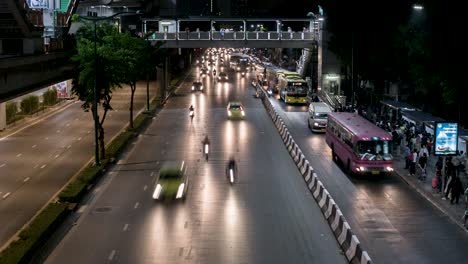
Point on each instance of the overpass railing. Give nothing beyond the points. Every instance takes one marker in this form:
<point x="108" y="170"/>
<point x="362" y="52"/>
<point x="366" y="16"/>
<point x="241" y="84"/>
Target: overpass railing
<point x="219" y="35"/>
<point x="166" y="29"/>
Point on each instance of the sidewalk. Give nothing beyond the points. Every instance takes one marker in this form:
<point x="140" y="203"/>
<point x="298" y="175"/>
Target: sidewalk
<point x="454" y="211"/>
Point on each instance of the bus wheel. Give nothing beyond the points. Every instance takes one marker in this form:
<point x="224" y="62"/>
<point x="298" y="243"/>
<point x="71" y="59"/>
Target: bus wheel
<point x="333" y="153"/>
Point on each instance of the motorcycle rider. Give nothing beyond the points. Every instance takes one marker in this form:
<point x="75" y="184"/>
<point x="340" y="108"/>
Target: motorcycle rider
<point x="231" y="165"/>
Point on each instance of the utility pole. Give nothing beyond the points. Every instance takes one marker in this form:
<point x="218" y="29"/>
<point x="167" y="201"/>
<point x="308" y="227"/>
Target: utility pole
<point x="352" y="69"/>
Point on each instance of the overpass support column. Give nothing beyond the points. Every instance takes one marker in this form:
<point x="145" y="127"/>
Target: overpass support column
<point x="2" y="116"/>
<point x="1" y="46"/>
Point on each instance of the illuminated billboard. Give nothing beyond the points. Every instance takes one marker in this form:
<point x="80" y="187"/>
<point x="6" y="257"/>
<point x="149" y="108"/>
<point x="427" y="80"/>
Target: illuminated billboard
<point x="446" y="138"/>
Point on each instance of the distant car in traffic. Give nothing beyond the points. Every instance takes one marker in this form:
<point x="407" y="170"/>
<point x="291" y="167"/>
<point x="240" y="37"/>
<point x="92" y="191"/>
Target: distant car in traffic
<point x="203" y="72"/>
<point x="223" y="77"/>
<point x="172" y="182"/>
<point x="197" y="86"/>
<point x="235" y="110"/>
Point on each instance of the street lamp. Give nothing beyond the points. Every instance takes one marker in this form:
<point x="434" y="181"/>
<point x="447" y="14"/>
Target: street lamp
<point x="95" y="109"/>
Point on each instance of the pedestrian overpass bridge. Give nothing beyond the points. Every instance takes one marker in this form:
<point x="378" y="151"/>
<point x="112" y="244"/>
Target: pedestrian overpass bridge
<point x="234" y="33"/>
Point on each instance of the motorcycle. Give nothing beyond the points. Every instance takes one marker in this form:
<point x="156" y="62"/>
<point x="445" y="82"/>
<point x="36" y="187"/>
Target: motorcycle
<point x="206" y="149"/>
<point x="231" y="171"/>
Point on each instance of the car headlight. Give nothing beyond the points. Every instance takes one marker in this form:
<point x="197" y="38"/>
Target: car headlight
<point x="243" y="113"/>
<point x="193" y="88"/>
<point x="180" y="191"/>
<point x="316" y="124"/>
<point x="389" y="168"/>
<point x="201" y="87"/>
<point x="361" y="168"/>
<point x="157" y="191"/>
<point x="229" y="113"/>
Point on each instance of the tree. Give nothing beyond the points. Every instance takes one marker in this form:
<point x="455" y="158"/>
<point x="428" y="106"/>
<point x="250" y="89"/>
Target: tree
<point x="131" y="50"/>
<point x="108" y="71"/>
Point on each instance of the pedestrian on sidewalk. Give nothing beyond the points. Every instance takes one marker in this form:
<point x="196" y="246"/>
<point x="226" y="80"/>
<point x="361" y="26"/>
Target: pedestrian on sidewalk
<point x="456" y="163"/>
<point x="413" y="159"/>
<point x="439" y="165"/>
<point x="465" y="217"/>
<point x="457" y="189"/>
<point x="423" y="151"/>
<point x="407" y="156"/>
<point x="422" y="164"/>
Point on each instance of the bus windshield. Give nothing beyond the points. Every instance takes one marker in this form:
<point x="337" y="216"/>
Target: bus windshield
<point x="296" y="89"/>
<point x="374" y="150"/>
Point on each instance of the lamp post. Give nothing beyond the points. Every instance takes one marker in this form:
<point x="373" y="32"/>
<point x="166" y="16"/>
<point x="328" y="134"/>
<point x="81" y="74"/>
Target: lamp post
<point x="95" y="98"/>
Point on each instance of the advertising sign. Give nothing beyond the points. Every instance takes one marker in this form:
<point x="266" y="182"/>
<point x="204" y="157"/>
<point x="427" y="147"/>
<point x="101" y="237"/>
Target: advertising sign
<point x="38" y="3"/>
<point x="446" y="138"/>
<point x="62" y="89"/>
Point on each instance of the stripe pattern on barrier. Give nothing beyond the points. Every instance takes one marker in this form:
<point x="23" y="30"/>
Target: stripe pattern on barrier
<point x="348" y="241"/>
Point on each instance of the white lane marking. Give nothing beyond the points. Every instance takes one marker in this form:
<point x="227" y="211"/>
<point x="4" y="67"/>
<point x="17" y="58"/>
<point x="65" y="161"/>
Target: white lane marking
<point x="43" y="166"/>
<point x="6" y="195"/>
<point x="76" y="119"/>
<point x="146" y="187"/>
<point x="3" y="165"/>
<point x="89" y="131"/>
<point x="68" y="124"/>
<point x="27" y="179"/>
<point x="69" y="146"/>
<point x="19" y="155"/>
<point x="125" y="227"/>
<point x="79" y="138"/>
<point x="34" y="146"/>
<point x="35" y="166"/>
<point x="82" y="209"/>
<point x="56" y="156"/>
<point x="152" y="173"/>
<point x="136" y="205"/>
<point x="47" y="138"/>
<point x="111" y="256"/>
<point x="58" y="131"/>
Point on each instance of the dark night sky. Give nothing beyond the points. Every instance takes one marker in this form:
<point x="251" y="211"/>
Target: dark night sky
<point x="265" y="8"/>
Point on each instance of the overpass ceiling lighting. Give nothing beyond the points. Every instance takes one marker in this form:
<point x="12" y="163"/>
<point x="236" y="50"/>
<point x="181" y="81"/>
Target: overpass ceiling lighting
<point x="418" y="7"/>
<point x="166" y="23"/>
<point x="321" y="19"/>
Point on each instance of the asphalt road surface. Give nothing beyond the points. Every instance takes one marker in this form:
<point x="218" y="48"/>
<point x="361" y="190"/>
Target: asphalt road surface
<point x="392" y="221"/>
<point x="267" y="216"/>
<point x="38" y="160"/>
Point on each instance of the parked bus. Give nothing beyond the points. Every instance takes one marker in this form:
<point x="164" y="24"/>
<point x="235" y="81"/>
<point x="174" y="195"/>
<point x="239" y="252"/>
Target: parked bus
<point x="292" y="90"/>
<point x="363" y="147"/>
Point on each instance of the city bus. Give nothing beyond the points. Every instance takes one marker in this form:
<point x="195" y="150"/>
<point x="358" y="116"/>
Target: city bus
<point x="362" y="147"/>
<point x="272" y="74"/>
<point x="292" y="90"/>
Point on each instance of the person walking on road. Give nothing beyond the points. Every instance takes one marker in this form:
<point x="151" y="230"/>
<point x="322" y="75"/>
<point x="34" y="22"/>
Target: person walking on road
<point x="457" y="189"/>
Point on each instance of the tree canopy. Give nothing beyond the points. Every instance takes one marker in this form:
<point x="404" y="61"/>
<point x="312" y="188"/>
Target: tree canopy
<point x="422" y="49"/>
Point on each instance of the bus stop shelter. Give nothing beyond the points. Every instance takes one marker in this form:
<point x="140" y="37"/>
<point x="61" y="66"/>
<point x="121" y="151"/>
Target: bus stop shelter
<point x="392" y="109"/>
<point x="423" y="120"/>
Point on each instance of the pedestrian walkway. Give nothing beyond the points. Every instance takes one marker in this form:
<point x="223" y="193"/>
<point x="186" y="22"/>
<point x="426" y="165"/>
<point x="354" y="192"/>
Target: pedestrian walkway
<point x="454" y="211"/>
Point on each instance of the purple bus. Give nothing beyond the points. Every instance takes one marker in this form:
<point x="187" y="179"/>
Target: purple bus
<point x="363" y="147"/>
